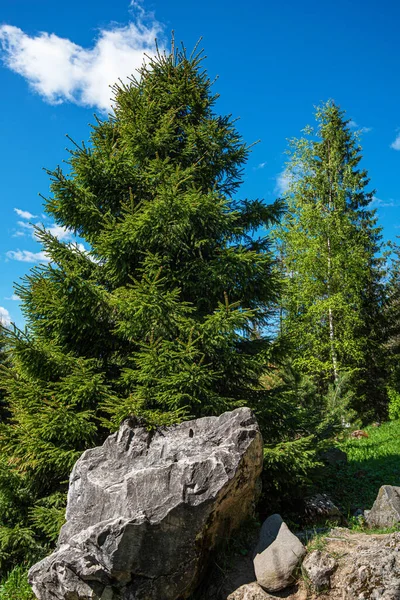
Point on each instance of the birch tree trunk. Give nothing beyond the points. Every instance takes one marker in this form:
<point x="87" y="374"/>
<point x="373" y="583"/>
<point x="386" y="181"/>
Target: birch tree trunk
<point x="330" y="319"/>
<point x="330" y="314"/>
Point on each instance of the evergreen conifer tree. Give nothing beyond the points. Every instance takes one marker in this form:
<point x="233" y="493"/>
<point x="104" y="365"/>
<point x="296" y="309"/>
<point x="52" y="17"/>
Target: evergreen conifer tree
<point x="329" y="243"/>
<point x="154" y="316"/>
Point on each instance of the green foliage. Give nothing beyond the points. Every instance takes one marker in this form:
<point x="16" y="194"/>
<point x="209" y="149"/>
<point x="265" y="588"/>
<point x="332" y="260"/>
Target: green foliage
<point x="288" y="466"/>
<point x="48" y="515"/>
<point x="163" y="314"/>
<point x="17" y="538"/>
<point x="329" y="244"/>
<point x="155" y="318"/>
<point x="359" y="524"/>
<point x="306" y="424"/>
<point x="394" y="404"/>
<point x="15" y="586"/>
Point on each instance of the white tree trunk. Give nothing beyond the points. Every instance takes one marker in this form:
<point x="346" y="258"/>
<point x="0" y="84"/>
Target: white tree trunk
<point x="330" y="319"/>
<point x="330" y="314"/>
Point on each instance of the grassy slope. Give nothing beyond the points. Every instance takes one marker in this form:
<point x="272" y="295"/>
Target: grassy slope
<point x="372" y="462"/>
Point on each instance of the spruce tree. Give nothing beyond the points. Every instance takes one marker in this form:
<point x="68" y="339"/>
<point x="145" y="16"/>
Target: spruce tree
<point x="154" y="316"/>
<point x="329" y="242"/>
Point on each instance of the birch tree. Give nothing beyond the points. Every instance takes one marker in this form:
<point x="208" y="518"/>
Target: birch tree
<point x="329" y="242"/>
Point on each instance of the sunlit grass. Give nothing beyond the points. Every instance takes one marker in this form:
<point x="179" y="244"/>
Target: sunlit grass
<point x="15" y="586"/>
<point x="372" y="462"/>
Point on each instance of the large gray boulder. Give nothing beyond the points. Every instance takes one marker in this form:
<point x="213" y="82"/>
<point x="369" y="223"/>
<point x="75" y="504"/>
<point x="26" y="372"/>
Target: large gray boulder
<point x="386" y="509"/>
<point x="145" y="509"/>
<point x="277" y="555"/>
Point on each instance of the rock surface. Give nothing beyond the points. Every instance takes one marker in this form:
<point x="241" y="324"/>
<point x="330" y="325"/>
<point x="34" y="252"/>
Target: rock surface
<point x="386" y="509"/>
<point x="277" y="555"/>
<point x="250" y="591"/>
<point x="318" y="567"/>
<point x="320" y="508"/>
<point x="368" y="566"/>
<point x="145" y="509"/>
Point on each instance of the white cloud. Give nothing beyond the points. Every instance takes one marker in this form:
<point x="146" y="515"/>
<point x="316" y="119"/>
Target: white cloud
<point x="137" y="5"/>
<point x="354" y="125"/>
<point x="24" y="214"/>
<point x="379" y="203"/>
<point x="13" y="297"/>
<point x="62" y="71"/>
<point x="25" y="225"/>
<point x="282" y="182"/>
<point x="61" y="233"/>
<point x="396" y="144"/>
<point x="5" y="318"/>
<point x="28" y="256"/>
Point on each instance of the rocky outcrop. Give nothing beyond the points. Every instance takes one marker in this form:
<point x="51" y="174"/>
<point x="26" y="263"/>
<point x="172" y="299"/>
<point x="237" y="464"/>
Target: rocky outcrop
<point x="250" y="591"/>
<point x="277" y="555"/>
<point x="368" y="566"/>
<point x="317" y="568"/>
<point x="386" y="509"/>
<point x="145" y="509"/>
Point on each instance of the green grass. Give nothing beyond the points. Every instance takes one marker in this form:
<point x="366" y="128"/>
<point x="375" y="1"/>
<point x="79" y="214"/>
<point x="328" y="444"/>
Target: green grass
<point x="15" y="586"/>
<point x="372" y="462"/>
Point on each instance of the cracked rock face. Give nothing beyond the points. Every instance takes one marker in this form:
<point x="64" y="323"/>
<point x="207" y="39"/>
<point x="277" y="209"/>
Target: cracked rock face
<point x="145" y="509"/>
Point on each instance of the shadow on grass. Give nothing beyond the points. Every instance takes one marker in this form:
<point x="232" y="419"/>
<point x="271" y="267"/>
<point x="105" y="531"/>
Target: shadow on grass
<point x="355" y="485"/>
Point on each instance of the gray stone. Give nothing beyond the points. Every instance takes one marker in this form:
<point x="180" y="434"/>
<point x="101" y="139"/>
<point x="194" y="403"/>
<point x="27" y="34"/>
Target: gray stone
<point x="145" y="509"/>
<point x="320" y="508"/>
<point x="318" y="567"/>
<point x="386" y="509"/>
<point x="250" y="591"/>
<point x="278" y="554"/>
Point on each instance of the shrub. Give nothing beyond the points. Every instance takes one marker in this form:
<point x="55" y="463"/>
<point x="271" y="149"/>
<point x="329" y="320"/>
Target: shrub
<point x="394" y="404"/>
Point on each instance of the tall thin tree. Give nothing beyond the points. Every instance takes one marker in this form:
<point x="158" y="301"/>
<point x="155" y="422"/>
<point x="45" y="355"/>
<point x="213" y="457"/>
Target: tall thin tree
<point x="330" y="245"/>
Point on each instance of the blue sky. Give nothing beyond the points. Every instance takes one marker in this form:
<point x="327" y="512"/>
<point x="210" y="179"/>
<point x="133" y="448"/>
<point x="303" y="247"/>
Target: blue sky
<point x="275" y="62"/>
